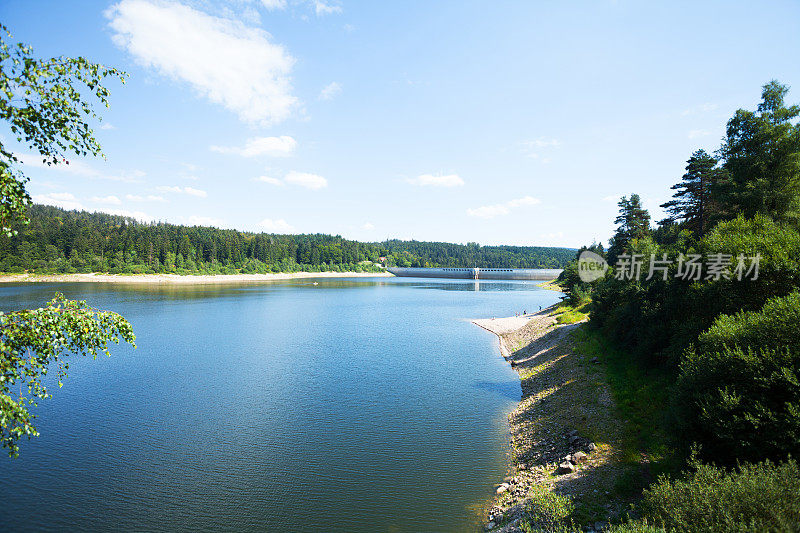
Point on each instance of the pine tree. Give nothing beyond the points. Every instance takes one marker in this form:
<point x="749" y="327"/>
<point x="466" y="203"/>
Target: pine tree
<point x="633" y="222"/>
<point x="762" y="158"/>
<point x="692" y="204"/>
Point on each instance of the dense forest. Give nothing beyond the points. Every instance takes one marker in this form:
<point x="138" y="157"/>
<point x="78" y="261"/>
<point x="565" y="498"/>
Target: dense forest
<point x="56" y="240"/>
<point x="715" y="347"/>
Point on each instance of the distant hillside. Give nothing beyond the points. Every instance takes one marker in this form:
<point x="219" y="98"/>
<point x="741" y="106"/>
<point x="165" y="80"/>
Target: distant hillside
<point x="57" y="240"/>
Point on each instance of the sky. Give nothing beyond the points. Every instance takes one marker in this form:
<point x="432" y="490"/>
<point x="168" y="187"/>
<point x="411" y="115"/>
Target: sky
<point x="472" y="121"/>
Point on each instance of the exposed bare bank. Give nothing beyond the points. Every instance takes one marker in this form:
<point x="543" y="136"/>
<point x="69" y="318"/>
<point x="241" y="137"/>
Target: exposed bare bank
<point x="565" y="433"/>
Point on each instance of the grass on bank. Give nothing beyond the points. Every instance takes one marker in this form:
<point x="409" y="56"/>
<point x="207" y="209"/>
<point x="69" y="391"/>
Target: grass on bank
<point x="574" y="307"/>
<point x="567" y="313"/>
<point x="642" y="397"/>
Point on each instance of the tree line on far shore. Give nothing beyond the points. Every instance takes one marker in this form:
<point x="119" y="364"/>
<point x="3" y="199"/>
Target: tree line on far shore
<point x="61" y="241"/>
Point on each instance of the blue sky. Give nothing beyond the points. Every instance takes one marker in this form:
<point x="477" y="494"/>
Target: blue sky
<point x="492" y="122"/>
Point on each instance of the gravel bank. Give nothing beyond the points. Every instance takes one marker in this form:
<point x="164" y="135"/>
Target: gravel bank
<point x="565" y="433"/>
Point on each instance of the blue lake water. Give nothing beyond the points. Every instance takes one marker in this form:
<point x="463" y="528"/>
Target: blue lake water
<point x="350" y="405"/>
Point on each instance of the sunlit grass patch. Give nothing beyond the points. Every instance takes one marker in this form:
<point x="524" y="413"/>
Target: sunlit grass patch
<point x="569" y="314"/>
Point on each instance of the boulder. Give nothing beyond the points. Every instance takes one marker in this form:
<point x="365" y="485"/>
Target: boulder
<point x="578" y="457"/>
<point x="502" y="488"/>
<point x="565" y="468"/>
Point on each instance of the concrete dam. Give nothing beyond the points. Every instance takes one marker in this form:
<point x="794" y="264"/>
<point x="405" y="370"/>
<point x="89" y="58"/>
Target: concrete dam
<point x="477" y="273"/>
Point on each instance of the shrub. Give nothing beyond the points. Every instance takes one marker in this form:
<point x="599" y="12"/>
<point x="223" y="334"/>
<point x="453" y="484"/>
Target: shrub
<point x="753" y="498"/>
<point x="738" y="392"/>
<point x="548" y="512"/>
<point x="774" y="326"/>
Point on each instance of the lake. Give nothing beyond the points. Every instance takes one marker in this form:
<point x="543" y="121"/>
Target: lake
<point x="346" y="405"/>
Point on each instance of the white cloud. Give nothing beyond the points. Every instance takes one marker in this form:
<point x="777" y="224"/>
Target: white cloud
<point x="195" y="192"/>
<point x="274" y="146"/>
<point x="489" y="211"/>
<point x="276" y="226"/>
<point x="107" y="126"/>
<point x="267" y="179"/>
<point x="525" y="200"/>
<point x="197" y="220"/>
<point x="429" y="180"/>
<point x="494" y="210"/>
<point x="322" y="8"/>
<point x="274" y="5"/>
<point x="330" y="91"/>
<point x="694" y="134"/>
<point x="368" y="226"/>
<point x="167" y="188"/>
<point x="63" y="200"/>
<point x="304" y="179"/>
<point x="78" y="167"/>
<point x="112" y="200"/>
<point x="182" y="190"/>
<point x="229" y="63"/>
<point x="148" y="198"/>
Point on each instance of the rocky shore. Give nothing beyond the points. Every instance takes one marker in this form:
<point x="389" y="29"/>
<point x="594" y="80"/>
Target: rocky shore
<point x="565" y="433"/>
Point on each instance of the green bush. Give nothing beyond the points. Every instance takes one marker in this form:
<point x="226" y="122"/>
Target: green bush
<point x="779" y="268"/>
<point x="738" y="392"/>
<point x="774" y="326"/>
<point x="548" y="512"/>
<point x="753" y="498"/>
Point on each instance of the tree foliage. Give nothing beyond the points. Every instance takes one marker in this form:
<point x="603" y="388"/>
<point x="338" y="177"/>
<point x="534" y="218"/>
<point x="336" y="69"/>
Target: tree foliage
<point x="692" y="202"/>
<point x="750" y="499"/>
<point x="32" y="342"/>
<point x="633" y="222"/>
<point x="70" y="241"/>
<point x="45" y="104"/>
<point x="761" y="156"/>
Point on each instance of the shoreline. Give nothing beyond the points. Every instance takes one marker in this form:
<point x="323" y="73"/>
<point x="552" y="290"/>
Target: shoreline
<point x="565" y="432"/>
<point x="179" y="279"/>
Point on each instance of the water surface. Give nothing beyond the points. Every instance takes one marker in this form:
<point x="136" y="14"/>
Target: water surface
<point x="346" y="405"/>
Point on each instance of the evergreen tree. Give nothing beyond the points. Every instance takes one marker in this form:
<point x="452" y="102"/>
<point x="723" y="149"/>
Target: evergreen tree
<point x="633" y="222"/>
<point x="692" y="203"/>
<point x="762" y="158"/>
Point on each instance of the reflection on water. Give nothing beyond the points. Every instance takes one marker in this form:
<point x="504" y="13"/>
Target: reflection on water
<point x="349" y="405"/>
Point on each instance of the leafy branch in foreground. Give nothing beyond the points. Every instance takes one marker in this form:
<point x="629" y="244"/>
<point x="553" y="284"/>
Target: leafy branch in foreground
<point x="43" y="102"/>
<point x="32" y="342"/>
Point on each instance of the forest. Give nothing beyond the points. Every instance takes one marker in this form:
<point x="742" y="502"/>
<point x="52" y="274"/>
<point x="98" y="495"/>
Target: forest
<point x="60" y="241"/>
<point x="708" y="360"/>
